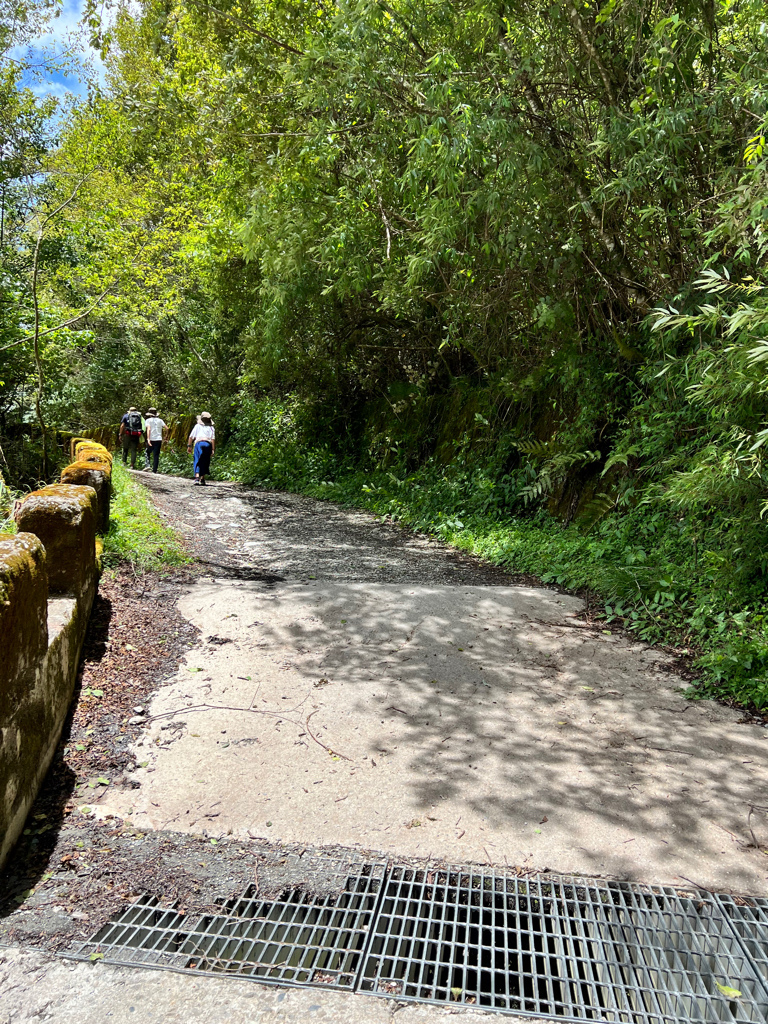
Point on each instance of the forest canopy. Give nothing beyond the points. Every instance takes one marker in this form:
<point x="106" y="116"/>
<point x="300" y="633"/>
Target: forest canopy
<point x="496" y="260"/>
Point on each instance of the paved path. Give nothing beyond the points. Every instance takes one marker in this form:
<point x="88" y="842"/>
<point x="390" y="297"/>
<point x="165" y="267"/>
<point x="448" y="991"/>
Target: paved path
<point x="357" y="685"/>
<point x="35" y="987"/>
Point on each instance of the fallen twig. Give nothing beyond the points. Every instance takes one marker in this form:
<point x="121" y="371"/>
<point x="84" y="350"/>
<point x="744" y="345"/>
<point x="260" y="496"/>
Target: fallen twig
<point x="251" y="711"/>
<point x="696" y="885"/>
<point x="752" y="809"/>
<point x="320" y="743"/>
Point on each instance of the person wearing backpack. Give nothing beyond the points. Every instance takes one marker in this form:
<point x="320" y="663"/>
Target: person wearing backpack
<point x="130" y="435"/>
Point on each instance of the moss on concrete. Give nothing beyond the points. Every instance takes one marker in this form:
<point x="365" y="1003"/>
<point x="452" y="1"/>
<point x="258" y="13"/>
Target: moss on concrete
<point x="64" y="517"/>
<point x="23" y="615"/>
<point x="97" y="476"/>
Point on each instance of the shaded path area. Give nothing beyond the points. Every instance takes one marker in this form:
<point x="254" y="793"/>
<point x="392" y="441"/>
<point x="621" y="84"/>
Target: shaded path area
<point x="354" y="684"/>
<point x="322" y="688"/>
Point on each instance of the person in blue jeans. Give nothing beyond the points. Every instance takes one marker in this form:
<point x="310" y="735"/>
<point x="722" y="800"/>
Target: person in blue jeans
<point x="154" y="429"/>
<point x="203" y="437"/>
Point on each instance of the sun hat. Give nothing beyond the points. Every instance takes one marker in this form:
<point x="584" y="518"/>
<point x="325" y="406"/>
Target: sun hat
<point x="206" y="417"/>
<point x="152" y="411"/>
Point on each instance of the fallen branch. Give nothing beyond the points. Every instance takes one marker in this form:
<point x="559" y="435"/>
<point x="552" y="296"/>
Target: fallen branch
<point x="252" y="711"/>
<point x="320" y="743"/>
<point x="752" y="809"/>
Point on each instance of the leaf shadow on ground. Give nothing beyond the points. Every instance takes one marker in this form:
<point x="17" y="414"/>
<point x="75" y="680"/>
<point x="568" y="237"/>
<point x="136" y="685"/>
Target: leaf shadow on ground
<point x="525" y="721"/>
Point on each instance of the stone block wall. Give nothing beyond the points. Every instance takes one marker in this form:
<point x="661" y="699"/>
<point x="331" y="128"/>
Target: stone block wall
<point x="48" y="580"/>
<point x="92" y="467"/>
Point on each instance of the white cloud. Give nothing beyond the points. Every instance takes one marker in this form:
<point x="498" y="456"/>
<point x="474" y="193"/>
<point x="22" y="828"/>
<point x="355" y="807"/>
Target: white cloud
<point x="58" y="90"/>
<point x="60" y="61"/>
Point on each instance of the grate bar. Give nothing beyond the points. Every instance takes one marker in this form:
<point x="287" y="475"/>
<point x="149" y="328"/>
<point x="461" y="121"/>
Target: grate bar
<point x="748" y="917"/>
<point x="560" y="947"/>
<point x="570" y="949"/>
<point x="298" y="938"/>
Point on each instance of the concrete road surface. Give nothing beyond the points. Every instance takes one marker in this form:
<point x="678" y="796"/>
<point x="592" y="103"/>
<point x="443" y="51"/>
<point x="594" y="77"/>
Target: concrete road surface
<point x="35" y="987"/>
<point x="356" y="685"/>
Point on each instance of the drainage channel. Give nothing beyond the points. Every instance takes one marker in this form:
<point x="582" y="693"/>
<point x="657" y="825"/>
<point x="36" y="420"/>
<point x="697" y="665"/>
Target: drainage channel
<point x="543" y="946"/>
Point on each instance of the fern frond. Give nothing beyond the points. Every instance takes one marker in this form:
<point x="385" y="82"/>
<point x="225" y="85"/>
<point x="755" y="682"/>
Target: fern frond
<point x="540" y="487"/>
<point x="593" y="511"/>
<point x="619" y="458"/>
<point x="539" y="449"/>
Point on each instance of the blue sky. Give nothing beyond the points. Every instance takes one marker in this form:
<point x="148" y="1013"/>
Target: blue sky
<point x="60" y="60"/>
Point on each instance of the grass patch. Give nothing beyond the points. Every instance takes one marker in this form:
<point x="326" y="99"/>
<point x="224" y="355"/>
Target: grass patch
<point x="136" y="532"/>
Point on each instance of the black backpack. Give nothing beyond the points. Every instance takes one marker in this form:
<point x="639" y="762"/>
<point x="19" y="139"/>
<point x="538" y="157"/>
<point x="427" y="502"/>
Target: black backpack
<point x="134" y="422"/>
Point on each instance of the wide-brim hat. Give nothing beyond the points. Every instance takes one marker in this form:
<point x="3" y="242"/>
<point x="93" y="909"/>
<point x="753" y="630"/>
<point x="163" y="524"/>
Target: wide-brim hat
<point x="205" y="416"/>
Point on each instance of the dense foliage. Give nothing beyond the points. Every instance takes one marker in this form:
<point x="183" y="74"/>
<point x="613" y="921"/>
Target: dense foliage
<point x="496" y="269"/>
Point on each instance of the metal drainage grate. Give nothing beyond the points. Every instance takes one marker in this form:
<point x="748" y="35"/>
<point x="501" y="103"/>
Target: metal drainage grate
<point x="749" y="918"/>
<point x="298" y="938"/>
<point x="563" y="948"/>
<point x="566" y="948"/>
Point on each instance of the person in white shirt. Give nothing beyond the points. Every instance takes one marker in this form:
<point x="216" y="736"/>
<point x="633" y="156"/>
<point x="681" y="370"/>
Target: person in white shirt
<point x="154" y="429"/>
<point x="203" y="437"/>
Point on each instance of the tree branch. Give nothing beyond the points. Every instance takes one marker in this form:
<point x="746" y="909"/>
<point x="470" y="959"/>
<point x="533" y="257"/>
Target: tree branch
<point x="411" y="35"/>
<point x="36" y="305"/>
<point x="589" y="48"/>
<point x="609" y="241"/>
<point x="73" y="319"/>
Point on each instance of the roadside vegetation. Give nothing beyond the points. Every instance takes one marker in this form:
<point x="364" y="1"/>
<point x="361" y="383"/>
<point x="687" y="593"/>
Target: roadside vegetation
<point x="7" y="497"/>
<point x="495" y="270"/>
<point x="137" y="534"/>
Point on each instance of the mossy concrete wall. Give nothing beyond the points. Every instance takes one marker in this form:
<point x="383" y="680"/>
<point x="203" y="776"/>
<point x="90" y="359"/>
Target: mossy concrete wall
<point x="64" y="517"/>
<point x="97" y="475"/>
<point x="48" y="580"/>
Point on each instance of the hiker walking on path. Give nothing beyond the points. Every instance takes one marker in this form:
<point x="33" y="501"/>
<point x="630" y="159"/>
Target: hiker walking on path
<point x="130" y="435"/>
<point x="203" y="437"/>
<point x="155" y="429"/>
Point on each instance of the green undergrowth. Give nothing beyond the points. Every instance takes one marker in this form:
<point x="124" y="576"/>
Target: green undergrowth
<point x="7" y="498"/>
<point x="177" y="462"/>
<point x="662" y="575"/>
<point x="136" y="532"/>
